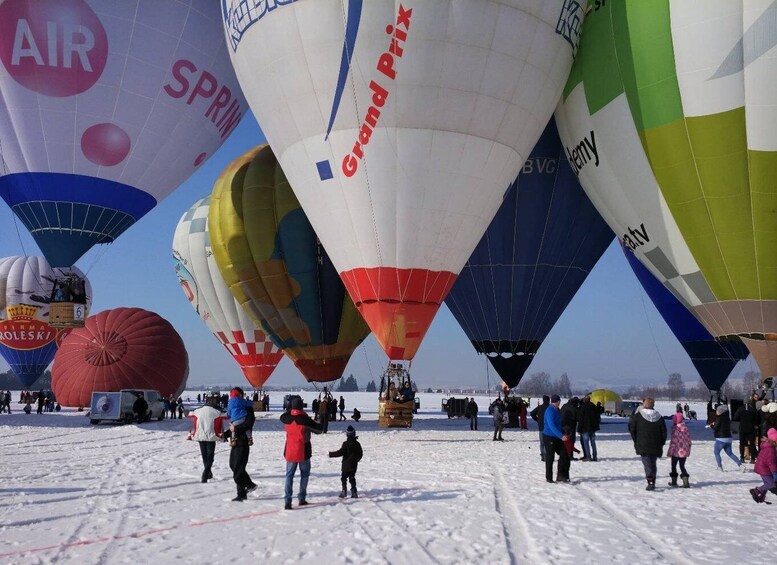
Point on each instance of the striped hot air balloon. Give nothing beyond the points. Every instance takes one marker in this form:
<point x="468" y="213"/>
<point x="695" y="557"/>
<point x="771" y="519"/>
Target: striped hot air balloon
<point x="210" y="297"/>
<point x="670" y="119"/>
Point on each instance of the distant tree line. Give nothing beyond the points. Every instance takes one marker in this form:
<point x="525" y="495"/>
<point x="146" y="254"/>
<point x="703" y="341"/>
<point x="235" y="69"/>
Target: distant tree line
<point x="9" y="381"/>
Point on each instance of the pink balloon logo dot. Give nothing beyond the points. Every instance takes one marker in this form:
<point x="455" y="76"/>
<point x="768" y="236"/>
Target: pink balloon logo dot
<point x="105" y="144"/>
<point x="52" y="47"/>
<point x="200" y="158"/>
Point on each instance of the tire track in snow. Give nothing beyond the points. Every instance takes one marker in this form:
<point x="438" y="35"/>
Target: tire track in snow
<point x="637" y="530"/>
<point x="407" y="532"/>
<point x="514" y="524"/>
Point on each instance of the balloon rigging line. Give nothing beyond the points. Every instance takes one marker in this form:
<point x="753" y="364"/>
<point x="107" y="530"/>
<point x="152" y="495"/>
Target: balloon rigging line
<point x="641" y="292"/>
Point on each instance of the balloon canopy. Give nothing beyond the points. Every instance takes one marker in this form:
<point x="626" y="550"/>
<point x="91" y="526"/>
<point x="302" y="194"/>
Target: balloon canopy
<point x="27" y="341"/>
<point x="713" y="358"/>
<point x="669" y="117"/>
<point x="118" y="349"/>
<point x="604" y="396"/>
<point x="399" y="125"/>
<point x="105" y="108"/>
<point x="537" y="252"/>
<point x="210" y="297"/>
<point x="277" y="269"/>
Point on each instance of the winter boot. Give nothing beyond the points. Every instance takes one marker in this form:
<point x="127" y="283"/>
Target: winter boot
<point x="686" y="484"/>
<point x="343" y="494"/>
<point x="773" y="490"/>
<point x="757" y="495"/>
<point x="651" y="484"/>
<point x="354" y="494"/>
<point x="673" y="477"/>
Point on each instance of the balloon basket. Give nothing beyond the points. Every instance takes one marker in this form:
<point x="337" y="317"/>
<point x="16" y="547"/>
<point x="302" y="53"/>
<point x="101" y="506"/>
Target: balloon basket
<point x="395" y="414"/>
<point x="67" y="315"/>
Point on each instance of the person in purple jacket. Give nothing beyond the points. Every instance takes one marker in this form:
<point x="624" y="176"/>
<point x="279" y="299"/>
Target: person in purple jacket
<point x="554" y="442"/>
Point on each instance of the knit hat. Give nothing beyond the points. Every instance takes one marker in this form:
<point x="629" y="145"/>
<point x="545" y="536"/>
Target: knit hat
<point x="350" y="433"/>
<point x="555" y="398"/>
<point x="236" y="392"/>
<point x="678" y="418"/>
<point x="722" y="409"/>
<point x="295" y="403"/>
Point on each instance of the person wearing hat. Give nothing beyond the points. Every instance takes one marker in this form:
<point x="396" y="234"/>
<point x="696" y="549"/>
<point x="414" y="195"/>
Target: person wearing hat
<point x="554" y="440"/>
<point x="298" y="450"/>
<point x="648" y="430"/>
<point x="766" y="466"/>
<point x="679" y="449"/>
<point x="723" y="439"/>
<point x="241" y="449"/>
<point x="351" y="452"/>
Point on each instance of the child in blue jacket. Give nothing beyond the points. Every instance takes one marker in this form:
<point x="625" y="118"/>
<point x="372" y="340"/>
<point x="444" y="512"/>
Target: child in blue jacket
<point x="237" y="410"/>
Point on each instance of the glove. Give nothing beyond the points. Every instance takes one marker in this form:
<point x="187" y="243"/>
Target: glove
<point x="331" y="454"/>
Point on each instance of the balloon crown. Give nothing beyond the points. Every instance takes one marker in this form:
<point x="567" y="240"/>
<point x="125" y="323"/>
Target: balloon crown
<point x="21" y="312"/>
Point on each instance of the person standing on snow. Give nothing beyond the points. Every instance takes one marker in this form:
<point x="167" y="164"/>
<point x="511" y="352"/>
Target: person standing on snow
<point x="679" y="449"/>
<point x="648" y="430"/>
<point x="472" y="414"/>
<point x="747" y="416"/>
<point x="498" y="413"/>
<point x="554" y="440"/>
<point x="589" y="417"/>
<point x="351" y="452"/>
<point x="538" y="415"/>
<point x="207" y="426"/>
<point x="298" y="450"/>
<point x="238" y="456"/>
<point x="723" y="440"/>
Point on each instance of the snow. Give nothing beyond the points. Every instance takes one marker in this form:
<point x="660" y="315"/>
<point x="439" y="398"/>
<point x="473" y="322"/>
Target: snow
<point x="437" y="493"/>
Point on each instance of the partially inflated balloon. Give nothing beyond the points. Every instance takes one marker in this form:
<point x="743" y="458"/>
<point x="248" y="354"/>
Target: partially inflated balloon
<point x="399" y="125"/>
<point x="105" y="108"/>
<point x="670" y="119"/>
<point x="713" y="358"/>
<point x="535" y="255"/>
<point x="27" y="341"/>
<point x="204" y="286"/>
<point x="277" y="269"/>
<point x="118" y="349"/>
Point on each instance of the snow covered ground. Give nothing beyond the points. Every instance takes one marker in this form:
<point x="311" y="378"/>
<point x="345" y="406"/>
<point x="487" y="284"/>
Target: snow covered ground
<point x="437" y="493"/>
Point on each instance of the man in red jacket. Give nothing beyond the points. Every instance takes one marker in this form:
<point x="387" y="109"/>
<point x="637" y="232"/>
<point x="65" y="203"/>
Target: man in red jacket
<point x="298" y="450"/>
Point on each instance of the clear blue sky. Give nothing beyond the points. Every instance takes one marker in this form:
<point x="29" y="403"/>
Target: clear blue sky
<point x="610" y="334"/>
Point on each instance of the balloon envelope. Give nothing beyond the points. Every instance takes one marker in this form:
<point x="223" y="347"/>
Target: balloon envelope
<point x="277" y="269"/>
<point x="399" y="125"/>
<point x="105" y="108"/>
<point x="27" y="341"/>
<point x="713" y="358"/>
<point x="118" y="349"/>
<point x="210" y="297"/>
<point x="538" y="250"/>
<point x="669" y="116"/>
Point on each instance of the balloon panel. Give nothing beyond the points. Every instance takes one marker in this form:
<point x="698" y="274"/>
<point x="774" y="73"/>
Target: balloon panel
<point x="209" y="295"/>
<point x="537" y="252"/>
<point x="105" y="108"/>
<point x="278" y="271"/>
<point x="27" y="341"/>
<point x="714" y="359"/>
<point x="678" y="151"/>
<point x="118" y="349"/>
<point x="400" y="155"/>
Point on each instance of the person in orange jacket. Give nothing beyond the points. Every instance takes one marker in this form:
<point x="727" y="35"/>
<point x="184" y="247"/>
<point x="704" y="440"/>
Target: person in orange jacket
<point x="298" y="449"/>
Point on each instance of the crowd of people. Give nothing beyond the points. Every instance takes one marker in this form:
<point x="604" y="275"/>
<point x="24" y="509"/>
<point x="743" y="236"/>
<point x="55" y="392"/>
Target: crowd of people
<point x="43" y="400"/>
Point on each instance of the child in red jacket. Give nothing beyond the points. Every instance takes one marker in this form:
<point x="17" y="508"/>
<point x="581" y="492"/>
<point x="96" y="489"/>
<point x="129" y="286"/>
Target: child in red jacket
<point x="766" y="466"/>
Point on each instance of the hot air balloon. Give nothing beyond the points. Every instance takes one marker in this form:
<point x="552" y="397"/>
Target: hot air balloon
<point x="278" y="271"/>
<point x="399" y="125"/>
<point x="713" y="358"/>
<point x="27" y="341"/>
<point x="118" y="349"/>
<point x="204" y="286"/>
<point x="105" y="108"/>
<point x="537" y="252"/>
<point x="669" y="120"/>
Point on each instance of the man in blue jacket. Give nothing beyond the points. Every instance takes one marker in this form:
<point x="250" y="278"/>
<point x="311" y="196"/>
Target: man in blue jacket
<point x="554" y="442"/>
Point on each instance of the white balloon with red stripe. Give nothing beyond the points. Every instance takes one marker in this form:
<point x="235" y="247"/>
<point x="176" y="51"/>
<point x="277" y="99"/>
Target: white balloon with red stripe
<point x="400" y="125"/>
<point x="209" y="295"/>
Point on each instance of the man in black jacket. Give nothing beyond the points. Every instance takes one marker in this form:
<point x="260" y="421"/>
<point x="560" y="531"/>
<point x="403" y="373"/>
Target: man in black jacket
<point x="140" y="408"/>
<point x="538" y="415"/>
<point x="569" y="419"/>
<point x="648" y="430"/>
<point x="471" y="412"/>
<point x="238" y="456"/>
<point x="589" y="417"/>
<point x="747" y="416"/>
